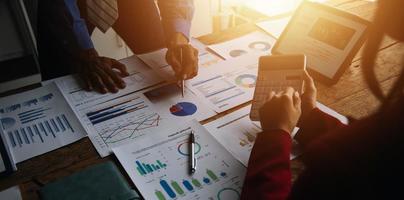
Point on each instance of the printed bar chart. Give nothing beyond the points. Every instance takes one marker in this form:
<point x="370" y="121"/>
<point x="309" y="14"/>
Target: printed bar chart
<point x="174" y="189"/>
<point x="39" y="131"/>
<point x="32" y="115"/>
<point x="170" y="192"/>
<point x="188" y="185"/>
<point x="211" y="174"/>
<point x="114" y="111"/>
<point x="196" y="183"/>
<point x="160" y="195"/>
<point x="177" y="188"/>
<point x="144" y="168"/>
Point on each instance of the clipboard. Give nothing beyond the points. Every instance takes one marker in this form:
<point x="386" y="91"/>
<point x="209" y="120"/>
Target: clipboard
<point x="329" y="37"/>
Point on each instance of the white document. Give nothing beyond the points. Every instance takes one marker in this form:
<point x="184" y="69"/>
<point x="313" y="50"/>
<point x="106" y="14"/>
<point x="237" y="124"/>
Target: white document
<point x="167" y="99"/>
<point x="333" y="113"/>
<point x="237" y="133"/>
<point x="2" y="166"/>
<point x="254" y="44"/>
<point x="274" y="27"/>
<point x="140" y="77"/>
<point x="227" y="84"/>
<point x="157" y="60"/>
<point x="37" y="121"/>
<point x="119" y="119"/>
<point x="205" y="57"/>
<point x="12" y="193"/>
<point x="159" y="166"/>
<point x="115" y="119"/>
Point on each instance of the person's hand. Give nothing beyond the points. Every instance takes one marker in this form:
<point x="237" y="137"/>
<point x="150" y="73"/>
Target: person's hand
<point x="101" y="73"/>
<point x="309" y="96"/>
<point x="183" y="57"/>
<point x="281" y="111"/>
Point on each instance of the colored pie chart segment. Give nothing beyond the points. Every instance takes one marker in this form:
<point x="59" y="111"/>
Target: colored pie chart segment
<point x="246" y="80"/>
<point x="182" y="109"/>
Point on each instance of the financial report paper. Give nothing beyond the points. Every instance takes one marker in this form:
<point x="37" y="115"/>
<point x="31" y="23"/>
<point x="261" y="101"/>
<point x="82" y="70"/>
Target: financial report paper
<point x="157" y="60"/>
<point x="253" y="44"/>
<point x="37" y="121"/>
<point x="237" y="133"/>
<point x="226" y="84"/>
<point x="115" y="119"/>
<point x="159" y="167"/>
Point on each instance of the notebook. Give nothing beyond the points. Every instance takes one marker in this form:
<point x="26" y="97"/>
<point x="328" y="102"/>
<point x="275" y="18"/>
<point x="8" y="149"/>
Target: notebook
<point x="102" y="181"/>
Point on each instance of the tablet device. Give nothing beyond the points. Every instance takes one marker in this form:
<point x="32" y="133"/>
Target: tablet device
<point x="329" y="38"/>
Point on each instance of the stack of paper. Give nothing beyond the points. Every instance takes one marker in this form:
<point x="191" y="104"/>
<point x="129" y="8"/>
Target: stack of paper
<point x="227" y="84"/>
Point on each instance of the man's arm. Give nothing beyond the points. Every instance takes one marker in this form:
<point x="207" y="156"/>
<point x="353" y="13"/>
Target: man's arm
<point x="70" y="34"/>
<point x="176" y="17"/>
<point x="79" y="26"/>
<point x="55" y="24"/>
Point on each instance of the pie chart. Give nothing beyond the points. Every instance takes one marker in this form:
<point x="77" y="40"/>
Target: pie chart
<point x="246" y="80"/>
<point x="237" y="53"/>
<point x="182" y="109"/>
<point x="260" y="45"/>
<point x="7" y="122"/>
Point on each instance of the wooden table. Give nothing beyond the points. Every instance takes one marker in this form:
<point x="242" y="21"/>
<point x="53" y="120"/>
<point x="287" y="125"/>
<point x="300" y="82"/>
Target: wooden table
<point x="349" y="96"/>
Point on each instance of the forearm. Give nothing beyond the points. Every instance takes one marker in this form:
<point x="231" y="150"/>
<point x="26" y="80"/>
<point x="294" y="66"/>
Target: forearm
<point x="55" y="25"/>
<point x="317" y="123"/>
<point x="268" y="175"/>
<point x="176" y="17"/>
<point x="78" y="25"/>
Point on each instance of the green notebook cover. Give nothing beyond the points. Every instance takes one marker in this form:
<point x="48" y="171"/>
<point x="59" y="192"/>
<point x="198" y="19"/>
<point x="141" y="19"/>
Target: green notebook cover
<point x="102" y="181"/>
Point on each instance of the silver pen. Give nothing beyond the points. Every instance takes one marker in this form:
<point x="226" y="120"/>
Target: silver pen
<point x="182" y="76"/>
<point x="192" y="153"/>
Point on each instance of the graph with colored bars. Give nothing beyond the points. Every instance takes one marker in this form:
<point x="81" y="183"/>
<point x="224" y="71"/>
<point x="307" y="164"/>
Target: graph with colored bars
<point x="27" y="104"/>
<point x="144" y="168"/>
<point x="38" y="131"/>
<point x="173" y="189"/>
<point x="114" y="111"/>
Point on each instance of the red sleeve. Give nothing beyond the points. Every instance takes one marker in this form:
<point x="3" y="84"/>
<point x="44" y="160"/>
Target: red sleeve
<point x="316" y="124"/>
<point x="268" y="175"/>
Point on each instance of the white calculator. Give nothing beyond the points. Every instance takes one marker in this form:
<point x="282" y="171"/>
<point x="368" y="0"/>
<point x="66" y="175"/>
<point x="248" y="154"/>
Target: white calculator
<point x="275" y="73"/>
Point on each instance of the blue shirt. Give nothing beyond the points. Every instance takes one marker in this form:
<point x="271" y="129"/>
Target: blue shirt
<point x="176" y="16"/>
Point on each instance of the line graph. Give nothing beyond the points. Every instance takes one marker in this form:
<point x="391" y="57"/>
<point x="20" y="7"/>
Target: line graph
<point x="129" y="130"/>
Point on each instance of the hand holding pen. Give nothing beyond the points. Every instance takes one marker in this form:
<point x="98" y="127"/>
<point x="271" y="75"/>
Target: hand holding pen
<point x="183" y="58"/>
